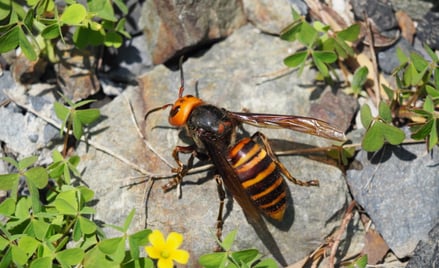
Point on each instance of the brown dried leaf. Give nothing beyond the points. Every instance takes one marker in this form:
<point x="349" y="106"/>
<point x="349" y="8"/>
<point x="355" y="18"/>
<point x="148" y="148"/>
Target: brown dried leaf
<point x="298" y="264"/>
<point x="326" y="14"/>
<point x="379" y="40"/>
<point x="313" y="260"/>
<point x="408" y="29"/>
<point x="375" y="247"/>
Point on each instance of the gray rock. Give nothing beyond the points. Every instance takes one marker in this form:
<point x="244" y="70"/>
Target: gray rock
<point x="76" y="72"/>
<point x="3" y="170"/>
<point x="380" y="12"/>
<point x="300" y="6"/>
<point x="6" y="82"/>
<point x="130" y="61"/>
<point x="172" y="27"/>
<point x="49" y="133"/>
<point x="338" y="109"/>
<point x="16" y="131"/>
<point x="387" y="59"/>
<point x="416" y="9"/>
<point x="23" y="132"/>
<point x="426" y="30"/>
<point x="427" y="251"/>
<point x="269" y="16"/>
<point x="399" y="190"/>
<point x="110" y="88"/>
<point x="38" y="103"/>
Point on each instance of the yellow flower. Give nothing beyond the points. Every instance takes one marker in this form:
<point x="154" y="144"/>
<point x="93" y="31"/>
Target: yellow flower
<point x="166" y="251"/>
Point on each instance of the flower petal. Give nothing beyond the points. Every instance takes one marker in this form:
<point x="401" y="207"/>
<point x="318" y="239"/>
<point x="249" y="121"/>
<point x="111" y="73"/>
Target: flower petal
<point x="180" y="256"/>
<point x="157" y="240"/>
<point x="174" y="240"/>
<point x="165" y="263"/>
<point x="153" y="252"/>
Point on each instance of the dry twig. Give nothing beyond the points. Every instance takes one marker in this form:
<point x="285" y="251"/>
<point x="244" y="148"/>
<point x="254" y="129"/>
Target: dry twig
<point x="147" y="143"/>
<point x="338" y="234"/>
<point x="376" y="77"/>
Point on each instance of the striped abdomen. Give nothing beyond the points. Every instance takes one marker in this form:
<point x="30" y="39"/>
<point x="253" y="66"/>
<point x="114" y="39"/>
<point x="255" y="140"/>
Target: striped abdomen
<point x="260" y="177"/>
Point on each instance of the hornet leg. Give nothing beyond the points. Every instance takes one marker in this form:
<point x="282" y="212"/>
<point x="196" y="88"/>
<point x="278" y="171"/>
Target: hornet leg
<point x="222" y="197"/>
<point x="181" y="170"/>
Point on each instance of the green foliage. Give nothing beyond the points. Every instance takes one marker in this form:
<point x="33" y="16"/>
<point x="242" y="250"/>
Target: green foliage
<point x="415" y="72"/>
<point x="322" y="46"/>
<point x="52" y="225"/>
<point x="415" y="99"/>
<point x="428" y="130"/>
<point x="35" y="28"/>
<point x="358" y="80"/>
<point x="34" y="177"/>
<point x="379" y="129"/>
<point x="228" y="258"/>
<point x="342" y="154"/>
<point x="16" y="32"/>
<point x="418" y="82"/>
<point x="63" y="168"/>
<point x="360" y="262"/>
<point x="38" y="227"/>
<point x="72" y="117"/>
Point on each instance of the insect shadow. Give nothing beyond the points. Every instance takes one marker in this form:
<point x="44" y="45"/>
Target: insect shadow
<point x="387" y="151"/>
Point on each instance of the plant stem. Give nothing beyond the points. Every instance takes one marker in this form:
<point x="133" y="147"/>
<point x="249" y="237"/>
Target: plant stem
<point x="66" y="139"/>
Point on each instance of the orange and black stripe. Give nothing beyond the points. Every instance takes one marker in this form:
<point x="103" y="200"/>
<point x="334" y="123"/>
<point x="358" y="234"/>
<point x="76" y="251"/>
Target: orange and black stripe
<point x="260" y="177"/>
